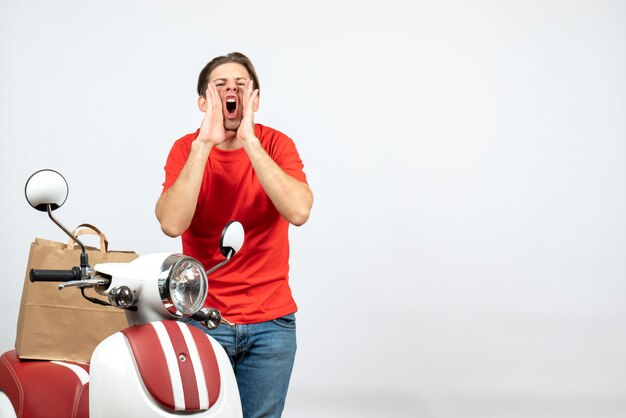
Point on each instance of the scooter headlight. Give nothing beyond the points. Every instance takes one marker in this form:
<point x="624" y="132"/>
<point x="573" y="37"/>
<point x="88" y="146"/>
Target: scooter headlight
<point x="182" y="285"/>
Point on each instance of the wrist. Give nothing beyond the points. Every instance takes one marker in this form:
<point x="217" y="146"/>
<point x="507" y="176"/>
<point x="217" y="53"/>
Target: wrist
<point x="199" y="146"/>
<point x="254" y="148"/>
<point x="251" y="141"/>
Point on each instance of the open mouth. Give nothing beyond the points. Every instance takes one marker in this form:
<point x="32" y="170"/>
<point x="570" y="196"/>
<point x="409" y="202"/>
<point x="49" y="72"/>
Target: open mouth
<point x="231" y="105"/>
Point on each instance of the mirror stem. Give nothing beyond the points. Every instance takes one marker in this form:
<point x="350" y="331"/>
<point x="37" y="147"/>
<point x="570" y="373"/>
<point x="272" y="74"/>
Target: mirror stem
<point x="84" y="260"/>
<point x="230" y="254"/>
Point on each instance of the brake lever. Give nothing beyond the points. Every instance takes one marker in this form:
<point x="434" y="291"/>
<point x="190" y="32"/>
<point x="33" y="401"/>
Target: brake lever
<point x="84" y="284"/>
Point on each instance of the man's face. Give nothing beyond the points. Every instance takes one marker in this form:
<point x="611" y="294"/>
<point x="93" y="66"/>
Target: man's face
<point x="230" y="80"/>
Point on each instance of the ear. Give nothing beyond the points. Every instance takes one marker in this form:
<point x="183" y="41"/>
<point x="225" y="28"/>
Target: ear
<point x="256" y="103"/>
<point x="202" y="104"/>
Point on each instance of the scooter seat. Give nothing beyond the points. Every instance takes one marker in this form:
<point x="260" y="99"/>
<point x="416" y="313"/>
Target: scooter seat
<point x="41" y="388"/>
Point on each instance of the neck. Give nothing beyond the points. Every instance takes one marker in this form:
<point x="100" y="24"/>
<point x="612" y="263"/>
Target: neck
<point x="231" y="143"/>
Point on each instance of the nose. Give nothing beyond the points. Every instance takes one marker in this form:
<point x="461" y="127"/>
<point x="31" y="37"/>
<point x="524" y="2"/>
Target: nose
<point x="231" y="85"/>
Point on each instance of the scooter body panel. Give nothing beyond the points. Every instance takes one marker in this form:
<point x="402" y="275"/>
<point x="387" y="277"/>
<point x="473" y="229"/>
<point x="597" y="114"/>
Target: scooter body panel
<point x="117" y="388"/>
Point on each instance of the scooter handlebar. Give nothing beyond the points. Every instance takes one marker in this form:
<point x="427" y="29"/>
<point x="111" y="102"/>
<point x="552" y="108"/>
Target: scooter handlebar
<point x="37" y="275"/>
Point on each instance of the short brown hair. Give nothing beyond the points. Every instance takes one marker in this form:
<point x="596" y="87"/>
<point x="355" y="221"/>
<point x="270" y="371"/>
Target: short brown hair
<point x="237" y="57"/>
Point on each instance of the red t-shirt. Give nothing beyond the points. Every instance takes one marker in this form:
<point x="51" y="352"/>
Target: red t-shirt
<point x="253" y="286"/>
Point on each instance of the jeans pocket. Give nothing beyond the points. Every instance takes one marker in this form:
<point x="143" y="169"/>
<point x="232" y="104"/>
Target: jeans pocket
<point x="287" y="321"/>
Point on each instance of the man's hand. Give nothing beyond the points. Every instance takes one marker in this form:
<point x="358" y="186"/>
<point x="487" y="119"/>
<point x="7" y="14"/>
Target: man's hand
<point x="250" y="102"/>
<point x="212" y="128"/>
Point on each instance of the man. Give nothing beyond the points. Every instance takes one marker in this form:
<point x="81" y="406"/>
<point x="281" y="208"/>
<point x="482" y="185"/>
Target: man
<point x="234" y="169"/>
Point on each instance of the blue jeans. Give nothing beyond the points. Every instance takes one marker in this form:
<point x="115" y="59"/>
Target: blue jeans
<point x="262" y="356"/>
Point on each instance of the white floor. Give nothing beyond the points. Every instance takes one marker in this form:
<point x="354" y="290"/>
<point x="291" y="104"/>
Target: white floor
<point x="311" y="405"/>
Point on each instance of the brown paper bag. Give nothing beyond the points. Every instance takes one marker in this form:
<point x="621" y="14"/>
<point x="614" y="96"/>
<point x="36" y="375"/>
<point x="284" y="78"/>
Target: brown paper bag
<point x="58" y="324"/>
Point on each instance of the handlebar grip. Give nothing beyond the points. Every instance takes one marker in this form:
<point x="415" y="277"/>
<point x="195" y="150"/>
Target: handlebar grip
<point x="199" y="316"/>
<point x="37" y="275"/>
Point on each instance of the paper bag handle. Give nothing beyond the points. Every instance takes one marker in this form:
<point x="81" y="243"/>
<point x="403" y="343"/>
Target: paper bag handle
<point x="91" y="230"/>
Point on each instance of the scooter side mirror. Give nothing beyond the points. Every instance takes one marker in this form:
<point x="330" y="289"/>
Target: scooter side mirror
<point x="232" y="239"/>
<point x="46" y="188"/>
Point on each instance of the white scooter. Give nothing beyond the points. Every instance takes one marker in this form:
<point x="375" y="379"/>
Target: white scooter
<point x="158" y="367"/>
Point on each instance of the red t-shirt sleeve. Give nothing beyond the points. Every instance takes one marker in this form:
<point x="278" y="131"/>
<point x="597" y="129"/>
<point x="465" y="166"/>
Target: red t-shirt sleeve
<point x="176" y="160"/>
<point x="283" y="151"/>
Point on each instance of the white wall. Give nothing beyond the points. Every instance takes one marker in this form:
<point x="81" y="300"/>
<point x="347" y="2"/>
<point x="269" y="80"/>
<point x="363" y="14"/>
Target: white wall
<point x="465" y="254"/>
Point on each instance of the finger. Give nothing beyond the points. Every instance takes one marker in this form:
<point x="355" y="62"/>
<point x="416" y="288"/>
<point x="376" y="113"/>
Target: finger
<point x="248" y="90"/>
<point x="250" y="95"/>
<point x="209" y="98"/>
<point x="253" y="101"/>
<point x="213" y="97"/>
<point x="256" y="100"/>
<point x="207" y="95"/>
<point x="217" y="99"/>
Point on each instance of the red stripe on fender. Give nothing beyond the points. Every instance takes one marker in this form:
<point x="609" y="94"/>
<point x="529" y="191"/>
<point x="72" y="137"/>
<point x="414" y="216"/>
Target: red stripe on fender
<point x="151" y="363"/>
<point x="187" y="374"/>
<point x="209" y="363"/>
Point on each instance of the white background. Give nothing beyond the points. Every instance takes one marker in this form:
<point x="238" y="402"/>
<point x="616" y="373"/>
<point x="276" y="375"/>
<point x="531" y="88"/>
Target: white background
<point x="465" y="256"/>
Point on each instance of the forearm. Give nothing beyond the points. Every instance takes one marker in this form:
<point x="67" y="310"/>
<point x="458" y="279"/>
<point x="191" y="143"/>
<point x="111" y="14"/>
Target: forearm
<point x="176" y="207"/>
<point x="292" y="198"/>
